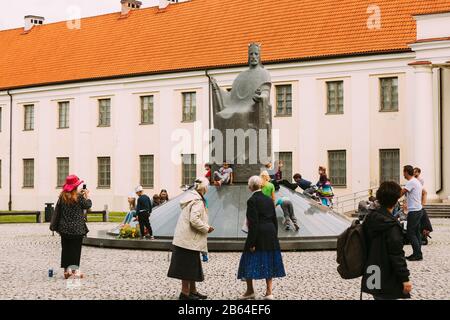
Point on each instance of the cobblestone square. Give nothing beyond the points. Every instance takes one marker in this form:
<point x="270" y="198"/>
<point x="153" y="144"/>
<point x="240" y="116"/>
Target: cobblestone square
<point x="27" y="251"/>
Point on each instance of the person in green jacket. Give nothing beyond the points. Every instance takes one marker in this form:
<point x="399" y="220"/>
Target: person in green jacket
<point x="268" y="188"/>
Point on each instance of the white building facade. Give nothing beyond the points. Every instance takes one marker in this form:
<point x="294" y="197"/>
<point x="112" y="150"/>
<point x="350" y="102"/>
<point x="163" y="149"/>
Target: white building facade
<point x="363" y="117"/>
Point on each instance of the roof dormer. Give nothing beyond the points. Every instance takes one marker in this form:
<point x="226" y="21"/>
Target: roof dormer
<point x="129" y="5"/>
<point x="31" y="21"/>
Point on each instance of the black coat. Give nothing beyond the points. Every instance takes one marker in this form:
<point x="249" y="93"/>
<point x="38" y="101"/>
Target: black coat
<point x="425" y="222"/>
<point x="384" y="240"/>
<point x="262" y="223"/>
<point x="72" y="222"/>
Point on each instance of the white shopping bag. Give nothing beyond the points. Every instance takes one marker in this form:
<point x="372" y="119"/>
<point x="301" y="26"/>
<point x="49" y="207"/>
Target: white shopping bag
<point x="245" y="226"/>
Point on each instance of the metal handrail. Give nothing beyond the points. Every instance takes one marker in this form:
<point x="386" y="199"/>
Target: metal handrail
<point x="349" y="202"/>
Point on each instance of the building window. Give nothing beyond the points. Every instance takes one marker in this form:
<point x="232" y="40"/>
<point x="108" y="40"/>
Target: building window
<point x="389" y="94"/>
<point x="189" y="105"/>
<point x="62" y="171"/>
<point x="28" y="173"/>
<point x="335" y="97"/>
<point x="104" y="172"/>
<point x="286" y="158"/>
<point x="147" y="110"/>
<point x="63" y="115"/>
<point x="147" y="171"/>
<point x="29" y="117"/>
<point x="284" y="100"/>
<point x="104" y="112"/>
<point x="337" y="162"/>
<point x="189" y="169"/>
<point x="390" y="165"/>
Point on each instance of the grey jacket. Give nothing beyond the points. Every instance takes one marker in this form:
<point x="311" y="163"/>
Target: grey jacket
<point x="192" y="228"/>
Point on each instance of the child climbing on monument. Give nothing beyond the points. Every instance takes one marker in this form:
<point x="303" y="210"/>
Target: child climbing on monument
<point x="288" y="210"/>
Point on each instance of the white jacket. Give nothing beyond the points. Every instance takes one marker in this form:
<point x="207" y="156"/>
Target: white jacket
<point x="192" y="228"/>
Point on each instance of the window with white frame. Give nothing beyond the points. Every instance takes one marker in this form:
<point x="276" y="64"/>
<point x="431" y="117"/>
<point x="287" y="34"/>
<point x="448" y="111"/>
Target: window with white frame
<point x="389" y="94"/>
<point x="284" y="100"/>
<point x="104" y="112"/>
<point x="147" y="171"/>
<point x="286" y="159"/>
<point x="28" y="173"/>
<point x="104" y="172"/>
<point x="389" y="165"/>
<point x="337" y="162"/>
<point x="147" y="110"/>
<point x="189" y="106"/>
<point x="28" y="117"/>
<point x="63" y="114"/>
<point x="62" y="170"/>
<point x="335" y="97"/>
<point x="189" y="169"/>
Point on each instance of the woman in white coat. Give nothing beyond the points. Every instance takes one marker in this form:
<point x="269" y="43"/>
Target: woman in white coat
<point x="190" y="239"/>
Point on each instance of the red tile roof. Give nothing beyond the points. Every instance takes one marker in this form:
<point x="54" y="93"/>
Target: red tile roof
<point x="204" y="34"/>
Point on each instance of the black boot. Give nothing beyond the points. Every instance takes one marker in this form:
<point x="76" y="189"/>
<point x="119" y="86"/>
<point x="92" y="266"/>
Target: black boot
<point x="189" y="297"/>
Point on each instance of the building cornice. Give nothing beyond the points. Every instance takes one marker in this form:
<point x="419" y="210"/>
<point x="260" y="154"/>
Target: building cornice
<point x="420" y="63"/>
<point x="317" y="60"/>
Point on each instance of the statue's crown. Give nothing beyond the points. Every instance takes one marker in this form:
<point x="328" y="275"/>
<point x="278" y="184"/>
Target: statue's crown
<point x="254" y="45"/>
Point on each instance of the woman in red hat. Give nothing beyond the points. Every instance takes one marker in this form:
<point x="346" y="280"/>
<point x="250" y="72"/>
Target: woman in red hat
<point x="71" y="224"/>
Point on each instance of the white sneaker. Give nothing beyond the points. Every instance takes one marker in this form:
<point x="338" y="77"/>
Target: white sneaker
<point x="269" y="297"/>
<point x="249" y="297"/>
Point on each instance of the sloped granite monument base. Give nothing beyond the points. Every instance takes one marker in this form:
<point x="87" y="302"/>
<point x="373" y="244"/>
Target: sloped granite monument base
<point x="319" y="226"/>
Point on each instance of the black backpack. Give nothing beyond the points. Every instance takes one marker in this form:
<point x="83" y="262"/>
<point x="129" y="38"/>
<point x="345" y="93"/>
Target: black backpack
<point x="351" y="252"/>
<point x="55" y="218"/>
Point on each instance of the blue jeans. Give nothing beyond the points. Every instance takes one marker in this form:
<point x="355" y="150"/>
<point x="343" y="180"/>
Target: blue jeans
<point x="129" y="217"/>
<point x="413" y="232"/>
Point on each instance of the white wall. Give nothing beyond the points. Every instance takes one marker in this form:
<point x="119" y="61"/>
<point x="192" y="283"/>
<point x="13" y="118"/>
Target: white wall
<point x="433" y="26"/>
<point x="309" y="133"/>
<point x="446" y="134"/>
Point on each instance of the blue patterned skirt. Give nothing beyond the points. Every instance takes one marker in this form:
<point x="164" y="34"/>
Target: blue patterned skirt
<point x="261" y="265"/>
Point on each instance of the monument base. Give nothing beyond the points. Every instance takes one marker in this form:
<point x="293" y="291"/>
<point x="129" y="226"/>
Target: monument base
<point x="242" y="172"/>
<point x="319" y="226"/>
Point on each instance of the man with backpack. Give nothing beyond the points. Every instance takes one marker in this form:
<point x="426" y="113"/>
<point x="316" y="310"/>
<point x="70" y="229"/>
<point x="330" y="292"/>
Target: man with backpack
<point x="386" y="274"/>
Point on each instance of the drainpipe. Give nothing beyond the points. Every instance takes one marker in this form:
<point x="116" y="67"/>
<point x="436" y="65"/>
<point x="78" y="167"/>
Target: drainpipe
<point x="209" y="106"/>
<point x="441" y="132"/>
<point x="10" y="149"/>
<point x="209" y="97"/>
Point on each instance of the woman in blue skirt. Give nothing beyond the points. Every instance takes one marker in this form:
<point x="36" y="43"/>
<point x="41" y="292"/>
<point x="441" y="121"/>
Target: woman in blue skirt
<point x="262" y="256"/>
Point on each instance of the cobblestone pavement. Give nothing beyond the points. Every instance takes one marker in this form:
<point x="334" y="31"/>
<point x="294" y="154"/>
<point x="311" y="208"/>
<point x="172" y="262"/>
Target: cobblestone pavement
<point x="27" y="251"/>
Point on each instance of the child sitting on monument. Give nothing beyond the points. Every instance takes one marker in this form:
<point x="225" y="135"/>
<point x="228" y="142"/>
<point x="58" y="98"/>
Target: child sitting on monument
<point x="223" y="175"/>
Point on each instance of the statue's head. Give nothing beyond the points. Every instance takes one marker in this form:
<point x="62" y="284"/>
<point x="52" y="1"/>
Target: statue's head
<point x="254" y="54"/>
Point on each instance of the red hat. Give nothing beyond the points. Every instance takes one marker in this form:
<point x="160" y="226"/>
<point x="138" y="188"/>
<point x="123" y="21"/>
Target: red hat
<point x="72" y="182"/>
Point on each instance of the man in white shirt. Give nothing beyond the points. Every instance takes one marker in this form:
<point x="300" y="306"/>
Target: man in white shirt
<point x="413" y="191"/>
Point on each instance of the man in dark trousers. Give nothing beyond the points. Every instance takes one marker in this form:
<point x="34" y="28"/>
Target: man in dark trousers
<point x="413" y="190"/>
<point x="143" y="210"/>
<point x="386" y="274"/>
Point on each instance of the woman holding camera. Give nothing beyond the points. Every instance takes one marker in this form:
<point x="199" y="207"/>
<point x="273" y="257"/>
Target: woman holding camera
<point x="71" y="222"/>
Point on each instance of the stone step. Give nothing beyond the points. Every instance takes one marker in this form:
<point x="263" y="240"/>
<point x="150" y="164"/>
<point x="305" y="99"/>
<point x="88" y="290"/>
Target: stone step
<point x="439" y="215"/>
